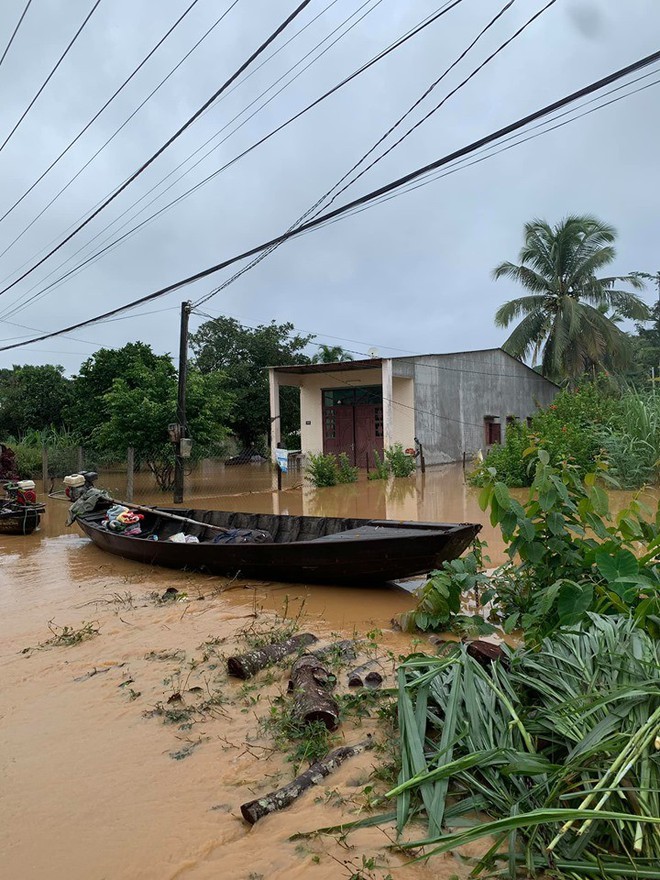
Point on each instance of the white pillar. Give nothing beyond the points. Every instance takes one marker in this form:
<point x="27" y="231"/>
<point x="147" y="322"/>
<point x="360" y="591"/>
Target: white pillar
<point x="275" y="421"/>
<point x="388" y="416"/>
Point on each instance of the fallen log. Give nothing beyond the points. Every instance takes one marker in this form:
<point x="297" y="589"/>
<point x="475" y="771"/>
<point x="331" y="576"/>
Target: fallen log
<point x="311" y="684"/>
<point x="343" y="650"/>
<point x="365" y="675"/>
<point x="283" y="797"/>
<point x="247" y="665"/>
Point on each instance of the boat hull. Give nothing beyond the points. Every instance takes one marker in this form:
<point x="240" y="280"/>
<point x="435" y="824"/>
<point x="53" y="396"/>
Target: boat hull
<point x="356" y="555"/>
<point x="22" y="522"/>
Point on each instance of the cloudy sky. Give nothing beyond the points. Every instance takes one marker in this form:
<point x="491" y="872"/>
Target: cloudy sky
<point x="411" y="274"/>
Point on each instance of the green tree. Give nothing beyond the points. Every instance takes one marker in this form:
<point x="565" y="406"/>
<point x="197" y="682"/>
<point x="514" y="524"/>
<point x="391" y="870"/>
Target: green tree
<point x="141" y="404"/>
<point x="331" y="354"/>
<point x="86" y="412"/>
<point x="242" y="354"/>
<point x="33" y="398"/>
<point x="562" y="318"/>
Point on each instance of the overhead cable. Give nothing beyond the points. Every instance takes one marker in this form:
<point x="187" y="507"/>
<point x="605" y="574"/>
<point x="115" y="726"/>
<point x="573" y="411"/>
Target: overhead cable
<point x="99" y="112"/>
<point x="15" y="31"/>
<point x="167" y="144"/>
<point x="446" y="7"/>
<point x="51" y="74"/>
<point x="365" y="199"/>
<point x="134" y="113"/>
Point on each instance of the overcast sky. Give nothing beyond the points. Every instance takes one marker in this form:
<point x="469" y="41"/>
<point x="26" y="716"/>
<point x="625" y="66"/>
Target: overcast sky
<point x="411" y="274"/>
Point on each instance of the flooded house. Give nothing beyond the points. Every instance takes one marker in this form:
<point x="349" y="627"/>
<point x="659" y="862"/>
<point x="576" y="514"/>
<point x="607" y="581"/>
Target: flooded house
<point x="452" y="404"/>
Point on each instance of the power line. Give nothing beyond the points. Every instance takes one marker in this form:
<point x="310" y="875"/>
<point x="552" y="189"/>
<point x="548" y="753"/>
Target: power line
<point x="26" y="299"/>
<point x="453" y="168"/>
<point x="168" y="143"/>
<point x="441" y="11"/>
<point x="98" y="113"/>
<point x="51" y="74"/>
<point x="11" y="39"/>
<point x="368" y="197"/>
<point x="324" y="197"/>
<point x="133" y="114"/>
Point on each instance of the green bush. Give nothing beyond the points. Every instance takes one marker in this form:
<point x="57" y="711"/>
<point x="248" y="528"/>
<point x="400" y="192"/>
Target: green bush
<point x="322" y="470"/>
<point x="568" y="557"/>
<point x="574" y="428"/>
<point x="381" y="470"/>
<point x="346" y="473"/>
<point x="399" y="462"/>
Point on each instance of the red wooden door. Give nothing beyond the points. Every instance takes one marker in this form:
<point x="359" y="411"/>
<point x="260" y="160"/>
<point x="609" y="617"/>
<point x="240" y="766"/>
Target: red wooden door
<point x="368" y="433"/>
<point x="339" y="431"/>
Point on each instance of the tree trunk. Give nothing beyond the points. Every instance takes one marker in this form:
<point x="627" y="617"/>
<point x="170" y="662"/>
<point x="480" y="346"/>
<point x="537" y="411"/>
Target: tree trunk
<point x="247" y="665"/>
<point x="342" y="650"/>
<point x="311" y="684"/>
<point x="365" y="675"/>
<point x="278" y="800"/>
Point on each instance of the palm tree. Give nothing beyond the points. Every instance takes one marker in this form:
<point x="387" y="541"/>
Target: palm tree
<point x="564" y="315"/>
<point x="331" y="354"/>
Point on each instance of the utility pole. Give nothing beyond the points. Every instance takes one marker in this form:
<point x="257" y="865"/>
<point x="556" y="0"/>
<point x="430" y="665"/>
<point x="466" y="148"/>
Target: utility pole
<point x="181" y="401"/>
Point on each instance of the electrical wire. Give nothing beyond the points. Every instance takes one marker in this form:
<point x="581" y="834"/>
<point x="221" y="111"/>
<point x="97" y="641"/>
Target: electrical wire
<point x="368" y="197"/>
<point x="23" y="302"/>
<point x="50" y="75"/>
<point x="168" y="143"/>
<point x="461" y="164"/>
<point x="128" y="119"/>
<point x="316" y="207"/>
<point x="99" y="112"/>
<point x="446" y="8"/>
<point x="11" y="39"/>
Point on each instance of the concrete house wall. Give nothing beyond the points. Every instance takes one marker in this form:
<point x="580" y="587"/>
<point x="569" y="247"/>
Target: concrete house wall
<point x="455" y="392"/>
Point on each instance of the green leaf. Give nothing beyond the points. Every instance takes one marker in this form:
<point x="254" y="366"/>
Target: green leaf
<point x="573" y="602"/>
<point x="614" y="566"/>
<point x="502" y="495"/>
<point x="543" y="456"/>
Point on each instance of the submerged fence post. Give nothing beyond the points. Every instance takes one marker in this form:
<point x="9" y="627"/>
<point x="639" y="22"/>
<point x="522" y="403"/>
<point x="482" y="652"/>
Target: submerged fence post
<point x="130" y="467"/>
<point x="44" y="468"/>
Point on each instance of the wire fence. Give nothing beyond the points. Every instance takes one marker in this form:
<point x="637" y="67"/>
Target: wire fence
<point x="128" y="477"/>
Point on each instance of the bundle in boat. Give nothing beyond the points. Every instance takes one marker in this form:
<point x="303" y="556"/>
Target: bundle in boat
<point x="248" y="664"/>
<point x="311" y="685"/>
<point x="283" y="797"/>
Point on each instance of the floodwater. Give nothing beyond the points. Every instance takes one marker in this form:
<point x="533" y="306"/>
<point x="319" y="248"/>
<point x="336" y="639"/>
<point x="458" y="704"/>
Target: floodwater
<point x="94" y="785"/>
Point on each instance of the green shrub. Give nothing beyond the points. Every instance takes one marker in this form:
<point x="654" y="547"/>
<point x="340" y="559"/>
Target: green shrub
<point x="346" y="473"/>
<point x="572" y="428"/>
<point x="323" y="470"/>
<point x="568" y="557"/>
<point x="507" y="458"/>
<point x="399" y="462"/>
<point x="381" y="470"/>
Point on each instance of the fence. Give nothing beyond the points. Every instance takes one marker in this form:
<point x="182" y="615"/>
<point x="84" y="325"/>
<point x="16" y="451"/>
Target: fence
<point x="127" y="477"/>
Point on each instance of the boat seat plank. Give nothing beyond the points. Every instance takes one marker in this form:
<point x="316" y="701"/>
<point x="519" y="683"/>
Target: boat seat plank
<point x="370" y="532"/>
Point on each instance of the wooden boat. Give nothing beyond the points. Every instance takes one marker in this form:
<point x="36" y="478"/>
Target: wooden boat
<point x="305" y="549"/>
<point x="19" y="519"/>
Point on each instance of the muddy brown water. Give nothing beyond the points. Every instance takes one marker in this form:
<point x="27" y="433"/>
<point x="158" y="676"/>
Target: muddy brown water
<point x="93" y="787"/>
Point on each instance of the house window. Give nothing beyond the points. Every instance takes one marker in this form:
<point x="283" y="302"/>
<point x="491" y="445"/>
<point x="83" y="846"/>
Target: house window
<point x="510" y="420"/>
<point x="492" y="430"/>
<point x="378" y="421"/>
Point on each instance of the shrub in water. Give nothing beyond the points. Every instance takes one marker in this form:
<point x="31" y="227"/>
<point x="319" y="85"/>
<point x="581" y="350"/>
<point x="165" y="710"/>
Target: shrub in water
<point x="323" y="470"/>
<point x="346" y="473"/>
<point x="400" y="463"/>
